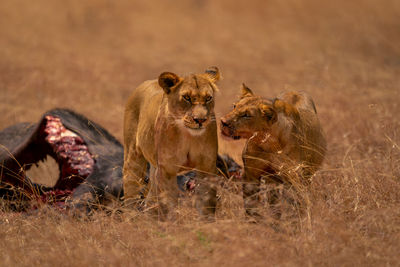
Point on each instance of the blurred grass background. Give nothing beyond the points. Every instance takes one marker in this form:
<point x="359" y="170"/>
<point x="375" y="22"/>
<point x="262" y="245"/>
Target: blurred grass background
<point x="89" y="55"/>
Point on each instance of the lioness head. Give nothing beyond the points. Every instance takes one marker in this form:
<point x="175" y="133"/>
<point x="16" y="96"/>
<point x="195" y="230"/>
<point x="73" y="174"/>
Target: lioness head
<point x="249" y="115"/>
<point x="191" y="98"/>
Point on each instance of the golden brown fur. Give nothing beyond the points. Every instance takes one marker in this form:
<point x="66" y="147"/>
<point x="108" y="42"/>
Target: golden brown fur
<point x="169" y="123"/>
<point x="285" y="139"/>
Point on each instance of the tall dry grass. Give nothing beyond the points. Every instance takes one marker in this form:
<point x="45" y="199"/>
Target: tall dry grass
<point x="89" y="55"/>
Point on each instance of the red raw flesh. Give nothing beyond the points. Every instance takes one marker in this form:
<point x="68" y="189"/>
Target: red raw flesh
<point x="72" y="154"/>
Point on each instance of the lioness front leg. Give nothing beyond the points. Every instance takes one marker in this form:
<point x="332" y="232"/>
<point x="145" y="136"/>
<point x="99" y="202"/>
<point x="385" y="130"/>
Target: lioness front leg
<point x="206" y="194"/>
<point x="164" y="193"/>
<point x="134" y="173"/>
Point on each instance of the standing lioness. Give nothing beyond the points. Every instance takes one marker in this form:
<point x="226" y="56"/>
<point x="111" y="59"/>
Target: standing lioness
<point x="169" y="123"/>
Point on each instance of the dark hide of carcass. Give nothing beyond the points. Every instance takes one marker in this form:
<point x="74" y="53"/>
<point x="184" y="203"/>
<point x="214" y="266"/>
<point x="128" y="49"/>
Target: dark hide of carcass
<point x="90" y="162"/>
<point x="89" y="159"/>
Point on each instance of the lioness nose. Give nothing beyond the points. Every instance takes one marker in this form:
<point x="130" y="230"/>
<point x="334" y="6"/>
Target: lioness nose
<point x="199" y="120"/>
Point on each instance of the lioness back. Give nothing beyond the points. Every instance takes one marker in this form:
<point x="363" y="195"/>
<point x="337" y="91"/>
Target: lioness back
<point x="140" y="116"/>
<point x="309" y="140"/>
<point x="298" y="99"/>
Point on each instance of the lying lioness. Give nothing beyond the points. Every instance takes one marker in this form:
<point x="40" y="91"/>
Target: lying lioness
<point x="285" y="139"/>
<point x="169" y="123"/>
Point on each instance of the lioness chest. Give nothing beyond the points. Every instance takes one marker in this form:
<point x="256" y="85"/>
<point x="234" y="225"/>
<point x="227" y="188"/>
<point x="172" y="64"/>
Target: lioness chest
<point x="181" y="149"/>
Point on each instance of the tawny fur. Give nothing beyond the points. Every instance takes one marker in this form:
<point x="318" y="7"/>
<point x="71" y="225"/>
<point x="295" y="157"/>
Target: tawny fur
<point x="285" y="139"/>
<point x="169" y="123"/>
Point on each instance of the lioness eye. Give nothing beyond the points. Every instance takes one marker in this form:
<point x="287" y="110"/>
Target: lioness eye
<point x="245" y="115"/>
<point x="208" y="98"/>
<point x="187" y="98"/>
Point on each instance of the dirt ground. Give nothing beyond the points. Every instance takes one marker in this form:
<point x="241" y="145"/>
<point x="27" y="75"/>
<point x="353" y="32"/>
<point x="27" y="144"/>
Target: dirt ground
<point x="89" y="55"/>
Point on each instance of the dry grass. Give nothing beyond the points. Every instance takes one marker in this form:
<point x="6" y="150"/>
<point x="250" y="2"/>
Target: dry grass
<point x="89" y="55"/>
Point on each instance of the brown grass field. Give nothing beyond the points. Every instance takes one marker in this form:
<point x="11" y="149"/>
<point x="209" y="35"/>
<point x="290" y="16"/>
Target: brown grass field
<point x="89" y="55"/>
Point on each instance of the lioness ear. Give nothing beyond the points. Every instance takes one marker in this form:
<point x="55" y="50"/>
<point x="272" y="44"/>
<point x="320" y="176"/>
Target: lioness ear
<point x="213" y="74"/>
<point x="168" y="80"/>
<point x="246" y="91"/>
<point x="269" y="113"/>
